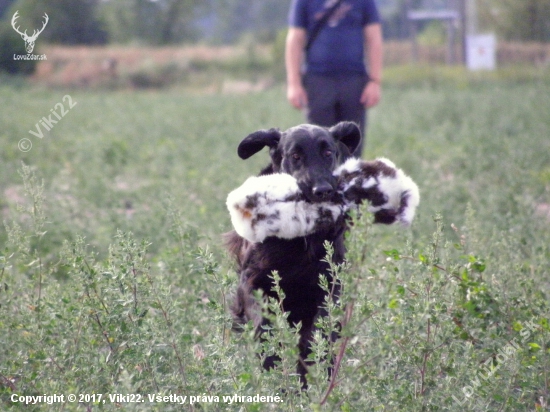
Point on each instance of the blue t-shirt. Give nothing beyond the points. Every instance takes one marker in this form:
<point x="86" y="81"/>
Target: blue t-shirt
<point x="339" y="45"/>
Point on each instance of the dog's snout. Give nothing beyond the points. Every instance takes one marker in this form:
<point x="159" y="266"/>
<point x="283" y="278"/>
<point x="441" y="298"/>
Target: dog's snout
<point x="323" y="190"/>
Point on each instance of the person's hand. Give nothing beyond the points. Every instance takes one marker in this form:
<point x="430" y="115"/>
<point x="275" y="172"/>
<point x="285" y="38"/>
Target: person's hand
<point x="297" y="96"/>
<point x="371" y="94"/>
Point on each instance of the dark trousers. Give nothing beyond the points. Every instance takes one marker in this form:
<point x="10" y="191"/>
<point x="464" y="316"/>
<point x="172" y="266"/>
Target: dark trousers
<point x="333" y="99"/>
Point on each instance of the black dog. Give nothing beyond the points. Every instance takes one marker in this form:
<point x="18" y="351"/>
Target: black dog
<point x="310" y="154"/>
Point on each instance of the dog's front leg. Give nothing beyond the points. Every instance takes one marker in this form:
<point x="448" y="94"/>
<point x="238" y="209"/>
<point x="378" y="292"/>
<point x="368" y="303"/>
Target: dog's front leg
<point x="304" y="347"/>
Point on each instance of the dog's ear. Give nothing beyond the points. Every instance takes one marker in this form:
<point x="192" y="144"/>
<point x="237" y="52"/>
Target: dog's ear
<point x="347" y="133"/>
<point x="256" y="141"/>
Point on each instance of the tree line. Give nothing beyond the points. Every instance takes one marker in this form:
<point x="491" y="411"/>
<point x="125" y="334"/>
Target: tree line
<point x="160" y="22"/>
<point x="150" y="22"/>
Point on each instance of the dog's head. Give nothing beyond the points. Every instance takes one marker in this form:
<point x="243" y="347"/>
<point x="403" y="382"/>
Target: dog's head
<point x="307" y="152"/>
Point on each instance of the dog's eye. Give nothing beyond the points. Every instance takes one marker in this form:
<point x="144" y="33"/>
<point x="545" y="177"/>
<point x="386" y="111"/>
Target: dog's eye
<point x="296" y="156"/>
<point x="328" y="153"/>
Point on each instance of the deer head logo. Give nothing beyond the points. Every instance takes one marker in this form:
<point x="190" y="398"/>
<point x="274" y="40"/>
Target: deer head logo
<point x="29" y="40"/>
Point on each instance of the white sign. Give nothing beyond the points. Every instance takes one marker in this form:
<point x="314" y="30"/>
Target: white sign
<point x="481" y="52"/>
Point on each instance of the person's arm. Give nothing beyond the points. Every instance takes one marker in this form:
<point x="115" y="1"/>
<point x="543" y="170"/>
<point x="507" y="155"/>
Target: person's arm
<point x="294" y="57"/>
<point x="372" y="34"/>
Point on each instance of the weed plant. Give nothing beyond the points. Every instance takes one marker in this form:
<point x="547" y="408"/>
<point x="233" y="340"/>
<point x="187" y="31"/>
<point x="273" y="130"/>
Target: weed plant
<point x="113" y="279"/>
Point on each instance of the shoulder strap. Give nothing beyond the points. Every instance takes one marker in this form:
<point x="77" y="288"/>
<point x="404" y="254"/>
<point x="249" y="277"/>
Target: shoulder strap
<point x="320" y="24"/>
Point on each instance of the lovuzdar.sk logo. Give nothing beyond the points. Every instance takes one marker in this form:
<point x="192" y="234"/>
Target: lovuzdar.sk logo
<point x="29" y="40"/>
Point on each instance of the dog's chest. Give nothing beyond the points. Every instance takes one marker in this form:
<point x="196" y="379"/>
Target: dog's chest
<point x="298" y="261"/>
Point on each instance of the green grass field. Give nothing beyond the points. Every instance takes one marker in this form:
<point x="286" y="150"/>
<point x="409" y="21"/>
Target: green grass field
<point x="113" y="278"/>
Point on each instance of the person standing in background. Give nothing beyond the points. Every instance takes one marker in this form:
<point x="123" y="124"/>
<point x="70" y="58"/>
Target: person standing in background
<point x="327" y="44"/>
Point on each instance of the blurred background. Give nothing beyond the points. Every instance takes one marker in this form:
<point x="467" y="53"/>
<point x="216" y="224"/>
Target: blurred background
<point x="118" y="149"/>
<point x="156" y="43"/>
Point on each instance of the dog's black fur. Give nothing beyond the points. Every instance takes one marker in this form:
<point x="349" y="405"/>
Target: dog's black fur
<point x="310" y="154"/>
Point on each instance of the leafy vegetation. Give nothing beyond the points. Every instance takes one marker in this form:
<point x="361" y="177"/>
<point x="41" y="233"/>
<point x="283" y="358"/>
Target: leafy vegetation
<point x="113" y="279"/>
